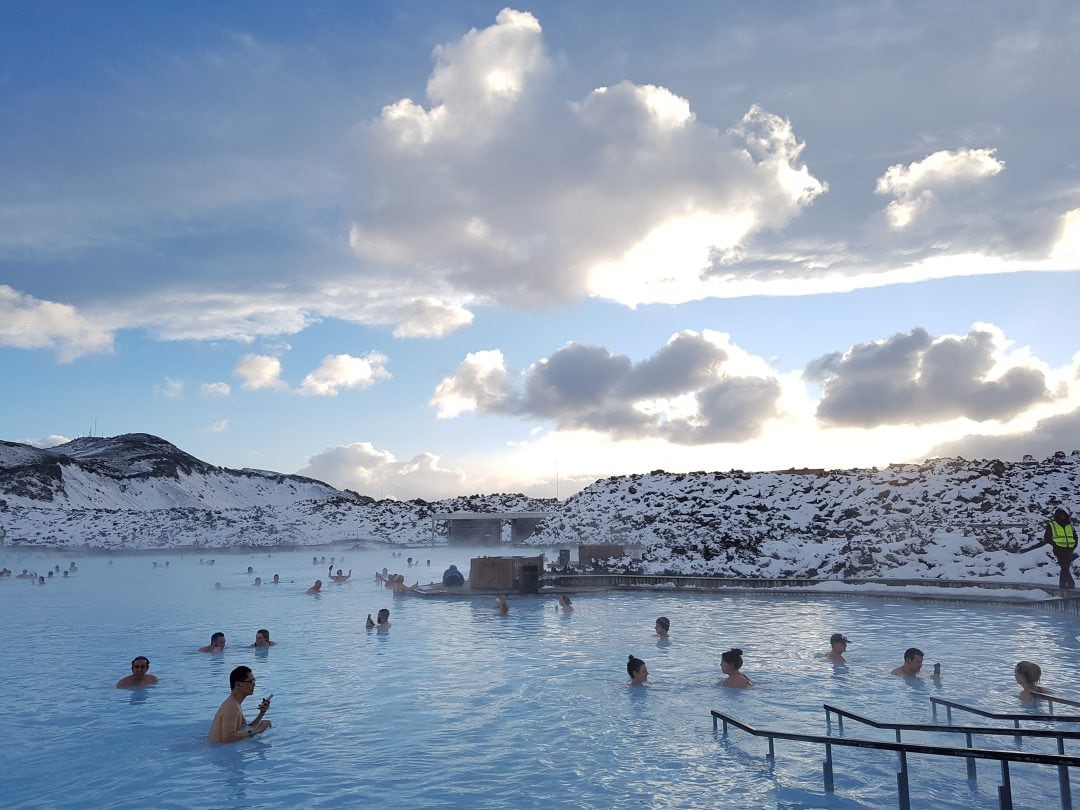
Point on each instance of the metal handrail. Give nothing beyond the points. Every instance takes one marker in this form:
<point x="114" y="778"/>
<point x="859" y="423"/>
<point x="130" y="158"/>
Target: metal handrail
<point x="968" y="731"/>
<point x="1052" y="699"/>
<point x="1016" y="717"/>
<point x="1062" y="762"/>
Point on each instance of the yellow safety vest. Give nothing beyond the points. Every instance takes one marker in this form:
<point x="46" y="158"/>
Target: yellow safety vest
<point x="1063" y="536"/>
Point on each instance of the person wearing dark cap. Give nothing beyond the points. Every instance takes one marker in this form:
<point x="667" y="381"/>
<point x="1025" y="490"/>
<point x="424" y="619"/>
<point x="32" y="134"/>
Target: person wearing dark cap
<point x="838" y="646"/>
<point x="1060" y="535"/>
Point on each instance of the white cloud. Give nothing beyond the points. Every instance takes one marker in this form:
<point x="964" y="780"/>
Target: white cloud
<point x="914" y="378"/>
<point x="169" y="389"/>
<point x="337" y="371"/>
<point x="49" y="441"/>
<point x="220" y="426"/>
<point x="696" y="389"/>
<point x="480" y="382"/>
<point x="917" y="185"/>
<point x="628" y="195"/>
<point x="215" y="389"/>
<point x="377" y="473"/>
<point x="31" y="323"/>
<point x="260" y="371"/>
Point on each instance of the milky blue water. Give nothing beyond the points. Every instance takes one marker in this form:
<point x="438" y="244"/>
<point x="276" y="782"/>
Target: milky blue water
<point x="458" y="707"/>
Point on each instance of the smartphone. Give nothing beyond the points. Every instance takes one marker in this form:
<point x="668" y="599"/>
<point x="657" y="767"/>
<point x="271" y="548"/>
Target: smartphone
<point x="268" y="697"/>
<point x="937" y="669"/>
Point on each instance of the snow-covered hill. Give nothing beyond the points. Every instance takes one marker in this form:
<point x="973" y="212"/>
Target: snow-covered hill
<point x="140" y="491"/>
<point x="138" y="471"/>
<point x="946" y="518"/>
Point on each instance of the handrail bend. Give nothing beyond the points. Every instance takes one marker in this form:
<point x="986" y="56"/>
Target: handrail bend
<point x="1004" y="757"/>
<point x="1016" y="717"/>
<point x="968" y="731"/>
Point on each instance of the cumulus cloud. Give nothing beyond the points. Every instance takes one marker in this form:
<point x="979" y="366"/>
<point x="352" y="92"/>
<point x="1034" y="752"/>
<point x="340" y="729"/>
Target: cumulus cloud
<point x="1060" y="432"/>
<point x="527" y="199"/>
<point x="913" y="378"/>
<point x="169" y="389"/>
<point x="699" y="388"/>
<point x="31" y="323"/>
<point x="337" y="371"/>
<point x="260" y="371"/>
<point x="215" y="389"/>
<point x="362" y="467"/>
<point x="51" y="440"/>
<point x="918" y="185"/>
<point x="220" y="426"/>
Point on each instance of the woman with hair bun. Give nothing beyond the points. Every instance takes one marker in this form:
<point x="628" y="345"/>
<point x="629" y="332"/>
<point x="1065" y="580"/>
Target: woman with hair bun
<point x="638" y="672"/>
<point x="730" y="664"/>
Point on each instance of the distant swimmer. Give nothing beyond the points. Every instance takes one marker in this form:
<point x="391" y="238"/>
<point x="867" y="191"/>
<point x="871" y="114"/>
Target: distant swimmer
<point x="217" y="643"/>
<point x="277" y="580"/>
<point x="262" y="639"/>
<point x="139" y="675"/>
<point x="316" y="587"/>
<point x="566" y="604"/>
<point x="258" y="580"/>
<point x="638" y="672"/>
<point x="913" y="661"/>
<point x="382" y="623"/>
<point x="340" y="577"/>
<point x="837" y="647"/>
<point x="730" y="664"/>
<point x="452" y="578"/>
<point x="663" y="625"/>
<point x="1027" y="674"/>
<point x="502" y="605"/>
<point x="229" y="724"/>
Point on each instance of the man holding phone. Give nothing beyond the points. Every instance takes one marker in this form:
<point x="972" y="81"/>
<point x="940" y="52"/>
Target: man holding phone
<point x="229" y="724"/>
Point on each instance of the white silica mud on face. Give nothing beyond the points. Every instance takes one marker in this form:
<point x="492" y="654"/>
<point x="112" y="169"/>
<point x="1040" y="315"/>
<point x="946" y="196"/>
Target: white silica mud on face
<point x="458" y="706"/>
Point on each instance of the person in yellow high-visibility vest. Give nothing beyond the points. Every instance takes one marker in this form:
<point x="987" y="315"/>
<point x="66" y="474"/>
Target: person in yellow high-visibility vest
<point x="1060" y="535"/>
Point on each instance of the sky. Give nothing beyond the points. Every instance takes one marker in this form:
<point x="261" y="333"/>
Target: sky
<point x="427" y="249"/>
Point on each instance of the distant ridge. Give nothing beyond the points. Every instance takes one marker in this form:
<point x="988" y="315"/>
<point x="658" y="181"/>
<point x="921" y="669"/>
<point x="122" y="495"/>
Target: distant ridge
<point x="945" y="518"/>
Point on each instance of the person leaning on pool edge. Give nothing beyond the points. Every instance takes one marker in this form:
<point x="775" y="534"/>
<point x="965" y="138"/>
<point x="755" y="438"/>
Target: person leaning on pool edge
<point x="229" y="724"/>
<point x="139" y="676"/>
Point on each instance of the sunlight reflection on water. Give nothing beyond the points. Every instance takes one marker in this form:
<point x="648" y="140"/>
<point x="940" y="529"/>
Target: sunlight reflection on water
<point x="459" y="707"/>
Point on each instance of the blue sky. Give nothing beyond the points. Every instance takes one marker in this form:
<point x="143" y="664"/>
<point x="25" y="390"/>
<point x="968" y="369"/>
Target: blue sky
<point x="427" y="249"/>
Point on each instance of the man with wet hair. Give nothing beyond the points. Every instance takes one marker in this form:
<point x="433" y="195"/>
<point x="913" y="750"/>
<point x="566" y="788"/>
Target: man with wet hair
<point x="913" y="660"/>
<point x="1060" y="535"/>
<point x="217" y="643"/>
<point x="229" y="724"/>
<point x="262" y="639"/>
<point x="139" y="674"/>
